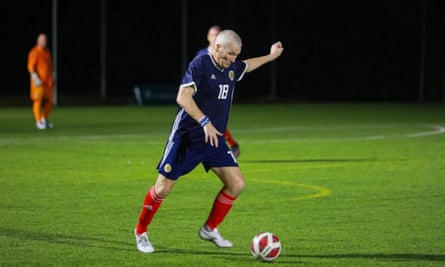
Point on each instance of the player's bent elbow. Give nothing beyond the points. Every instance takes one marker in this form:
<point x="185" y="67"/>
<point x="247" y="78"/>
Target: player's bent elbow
<point x="184" y="96"/>
<point x="180" y="101"/>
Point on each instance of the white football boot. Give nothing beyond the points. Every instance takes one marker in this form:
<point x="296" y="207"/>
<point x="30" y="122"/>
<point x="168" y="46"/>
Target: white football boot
<point x="143" y="244"/>
<point x="48" y="124"/>
<point x="215" y="237"/>
<point x="40" y="125"/>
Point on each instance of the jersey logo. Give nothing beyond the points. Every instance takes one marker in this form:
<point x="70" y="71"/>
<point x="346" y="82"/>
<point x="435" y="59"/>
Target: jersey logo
<point x="231" y="75"/>
<point x="167" y="168"/>
<point x="213" y="77"/>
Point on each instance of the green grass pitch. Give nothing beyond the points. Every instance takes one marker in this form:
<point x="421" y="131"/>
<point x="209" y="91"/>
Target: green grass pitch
<point x="340" y="184"/>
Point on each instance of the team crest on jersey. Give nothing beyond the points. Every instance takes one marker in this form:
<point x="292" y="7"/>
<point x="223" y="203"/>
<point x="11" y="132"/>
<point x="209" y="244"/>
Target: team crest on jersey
<point x="231" y="75"/>
<point x="167" y="168"/>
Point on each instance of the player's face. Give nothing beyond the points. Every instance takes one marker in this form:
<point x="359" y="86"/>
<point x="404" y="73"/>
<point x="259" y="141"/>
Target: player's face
<point x="226" y="55"/>
<point x="41" y="40"/>
<point x="211" y="36"/>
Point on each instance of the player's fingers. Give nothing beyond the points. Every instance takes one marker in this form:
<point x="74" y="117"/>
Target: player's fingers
<point x="206" y="136"/>
<point x="216" y="141"/>
<point x="211" y="135"/>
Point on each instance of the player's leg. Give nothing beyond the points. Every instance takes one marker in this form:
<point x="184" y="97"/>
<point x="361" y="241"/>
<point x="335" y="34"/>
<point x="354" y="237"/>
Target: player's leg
<point x="152" y="201"/>
<point x="229" y="138"/>
<point x="47" y="107"/>
<point x="176" y="161"/>
<point x="36" y="110"/>
<point x="233" y="145"/>
<point x="36" y="97"/>
<point x="233" y="185"/>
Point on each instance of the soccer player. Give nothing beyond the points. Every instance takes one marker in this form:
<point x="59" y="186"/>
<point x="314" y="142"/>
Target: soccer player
<point x="41" y="80"/>
<point x="211" y="36"/>
<point x="196" y="136"/>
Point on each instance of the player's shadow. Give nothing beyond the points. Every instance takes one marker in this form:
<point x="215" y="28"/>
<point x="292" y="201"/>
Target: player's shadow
<point x="285" y="258"/>
<point x="307" y="160"/>
<point x="377" y="256"/>
<point x="217" y="251"/>
<point x="235" y="257"/>
<point x="67" y="239"/>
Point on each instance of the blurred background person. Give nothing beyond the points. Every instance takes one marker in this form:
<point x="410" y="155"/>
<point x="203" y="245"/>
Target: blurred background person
<point x="41" y="81"/>
<point x="211" y="36"/>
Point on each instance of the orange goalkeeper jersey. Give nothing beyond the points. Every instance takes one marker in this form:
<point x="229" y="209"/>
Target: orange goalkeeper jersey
<point x="39" y="61"/>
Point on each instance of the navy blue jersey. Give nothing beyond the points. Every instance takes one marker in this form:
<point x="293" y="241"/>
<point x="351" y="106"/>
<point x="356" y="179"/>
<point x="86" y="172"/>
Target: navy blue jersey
<point x="202" y="51"/>
<point x="214" y="88"/>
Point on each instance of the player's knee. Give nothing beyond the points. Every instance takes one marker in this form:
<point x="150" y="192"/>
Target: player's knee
<point x="162" y="190"/>
<point x="236" y="187"/>
<point x="163" y="186"/>
<point x="240" y="184"/>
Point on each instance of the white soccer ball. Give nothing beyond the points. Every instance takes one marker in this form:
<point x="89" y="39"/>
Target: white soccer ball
<point x="265" y="246"/>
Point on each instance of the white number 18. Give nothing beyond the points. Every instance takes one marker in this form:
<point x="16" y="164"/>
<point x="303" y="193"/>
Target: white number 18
<point x="223" y="91"/>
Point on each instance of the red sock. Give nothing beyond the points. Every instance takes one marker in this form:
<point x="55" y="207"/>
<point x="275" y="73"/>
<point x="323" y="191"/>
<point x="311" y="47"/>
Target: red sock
<point x="152" y="202"/>
<point x="229" y="138"/>
<point x="221" y="207"/>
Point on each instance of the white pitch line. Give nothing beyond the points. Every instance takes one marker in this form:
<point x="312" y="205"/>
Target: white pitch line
<point x="436" y="130"/>
<point x="335" y="127"/>
<point x="32" y="139"/>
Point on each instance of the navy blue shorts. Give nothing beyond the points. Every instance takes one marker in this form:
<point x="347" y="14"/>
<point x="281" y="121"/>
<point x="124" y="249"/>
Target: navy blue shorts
<point x="180" y="159"/>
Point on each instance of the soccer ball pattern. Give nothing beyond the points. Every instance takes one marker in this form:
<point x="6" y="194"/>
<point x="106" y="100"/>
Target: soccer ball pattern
<point x="265" y="246"/>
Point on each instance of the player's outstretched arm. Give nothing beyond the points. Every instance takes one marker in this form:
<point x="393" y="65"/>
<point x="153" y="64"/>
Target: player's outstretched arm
<point x="275" y="51"/>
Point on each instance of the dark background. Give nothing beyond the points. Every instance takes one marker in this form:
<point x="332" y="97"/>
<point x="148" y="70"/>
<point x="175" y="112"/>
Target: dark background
<point x="334" y="50"/>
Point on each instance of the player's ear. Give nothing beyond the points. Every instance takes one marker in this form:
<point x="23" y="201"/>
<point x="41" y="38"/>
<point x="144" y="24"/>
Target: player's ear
<point x="218" y="47"/>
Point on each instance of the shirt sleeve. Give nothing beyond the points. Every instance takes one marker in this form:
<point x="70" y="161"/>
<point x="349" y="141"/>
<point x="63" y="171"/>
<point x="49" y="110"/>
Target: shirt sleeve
<point x="241" y="70"/>
<point x="193" y="75"/>
<point x="32" y="58"/>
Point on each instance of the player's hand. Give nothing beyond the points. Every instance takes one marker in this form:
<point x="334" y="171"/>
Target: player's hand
<point x="276" y="49"/>
<point x="36" y="80"/>
<point x="211" y="134"/>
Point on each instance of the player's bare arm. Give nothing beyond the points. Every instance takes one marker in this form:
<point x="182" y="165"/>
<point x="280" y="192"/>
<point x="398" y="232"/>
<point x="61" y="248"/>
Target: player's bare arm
<point x="185" y="100"/>
<point x="275" y="51"/>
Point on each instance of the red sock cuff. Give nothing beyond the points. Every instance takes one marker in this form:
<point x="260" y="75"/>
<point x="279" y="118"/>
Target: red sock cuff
<point x="154" y="195"/>
<point x="225" y="198"/>
<point x="221" y="207"/>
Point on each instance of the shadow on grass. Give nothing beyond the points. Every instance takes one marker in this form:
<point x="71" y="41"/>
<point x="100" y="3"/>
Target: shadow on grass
<point x="289" y="258"/>
<point x="99" y="242"/>
<point x="307" y="160"/>
<point x="67" y="239"/>
<point x="226" y="254"/>
<point x="376" y="256"/>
